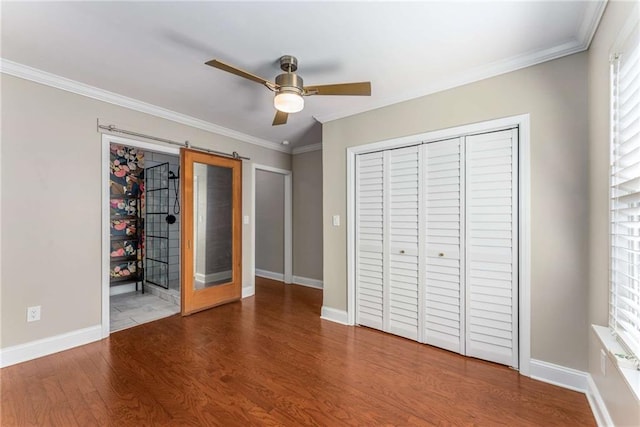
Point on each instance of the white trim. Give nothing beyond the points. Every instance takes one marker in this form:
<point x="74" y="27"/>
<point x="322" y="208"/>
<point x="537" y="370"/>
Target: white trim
<point x="559" y="375"/>
<point x="524" y="261"/>
<point x="590" y="22"/>
<point x="351" y="236"/>
<point x="305" y="281"/>
<point x="287" y="277"/>
<point x="307" y="148"/>
<point x="334" y="315"/>
<point x="465" y="78"/>
<point x="596" y="402"/>
<point x="52" y="80"/>
<point x="106" y="249"/>
<point x="106" y="141"/>
<point x="43" y="347"/>
<point x="269" y="275"/>
<point x="248" y="291"/>
<point x="524" y="158"/>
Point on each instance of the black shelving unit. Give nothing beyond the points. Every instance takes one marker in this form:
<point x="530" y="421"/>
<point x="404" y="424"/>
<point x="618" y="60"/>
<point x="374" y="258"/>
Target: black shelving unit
<point x="127" y="246"/>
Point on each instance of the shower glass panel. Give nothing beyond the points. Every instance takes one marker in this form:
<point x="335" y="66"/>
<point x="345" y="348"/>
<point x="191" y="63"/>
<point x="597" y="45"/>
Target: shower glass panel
<point x="156" y="226"/>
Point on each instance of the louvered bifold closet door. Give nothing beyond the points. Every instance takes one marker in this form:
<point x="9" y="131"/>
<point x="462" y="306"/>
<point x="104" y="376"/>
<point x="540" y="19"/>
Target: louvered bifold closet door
<point x="402" y="301"/>
<point x="369" y="239"/>
<point x="492" y="247"/>
<point x="443" y="202"/>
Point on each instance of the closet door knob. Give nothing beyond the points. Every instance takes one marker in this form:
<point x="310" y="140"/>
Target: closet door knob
<point x="402" y="251"/>
<point x="441" y="254"/>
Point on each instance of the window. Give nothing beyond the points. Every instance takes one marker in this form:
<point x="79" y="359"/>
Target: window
<point x="624" y="302"/>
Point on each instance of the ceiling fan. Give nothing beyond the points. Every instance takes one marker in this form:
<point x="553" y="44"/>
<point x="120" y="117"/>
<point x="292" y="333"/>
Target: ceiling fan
<point x="289" y="88"/>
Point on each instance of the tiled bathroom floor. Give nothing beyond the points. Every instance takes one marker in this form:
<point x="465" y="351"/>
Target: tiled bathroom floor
<point x="135" y="308"/>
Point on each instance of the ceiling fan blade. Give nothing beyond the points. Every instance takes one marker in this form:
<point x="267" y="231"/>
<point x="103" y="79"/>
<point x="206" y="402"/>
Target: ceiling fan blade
<point x="354" y="89"/>
<point x="280" y="118"/>
<point x="238" y="72"/>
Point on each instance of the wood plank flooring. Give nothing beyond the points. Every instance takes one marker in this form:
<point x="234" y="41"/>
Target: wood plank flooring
<point x="270" y="360"/>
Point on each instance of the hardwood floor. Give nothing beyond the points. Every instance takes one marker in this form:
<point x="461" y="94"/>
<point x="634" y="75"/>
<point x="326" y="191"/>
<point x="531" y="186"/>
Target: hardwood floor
<point x="270" y="360"/>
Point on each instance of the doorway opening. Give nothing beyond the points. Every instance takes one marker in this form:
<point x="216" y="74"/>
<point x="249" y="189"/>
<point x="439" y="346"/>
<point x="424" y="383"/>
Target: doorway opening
<point x="271" y="201"/>
<point x="141" y="233"/>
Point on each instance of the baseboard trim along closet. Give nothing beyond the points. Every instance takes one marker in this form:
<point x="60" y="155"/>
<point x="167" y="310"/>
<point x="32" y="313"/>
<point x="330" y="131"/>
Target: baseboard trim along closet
<point x="270" y="275"/>
<point x="305" y="281"/>
<point x="559" y="375"/>
<point x="46" y="346"/>
<point x="334" y="315"/>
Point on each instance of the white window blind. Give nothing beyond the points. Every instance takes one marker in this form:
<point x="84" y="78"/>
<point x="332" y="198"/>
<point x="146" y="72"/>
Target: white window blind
<point x="624" y="302"/>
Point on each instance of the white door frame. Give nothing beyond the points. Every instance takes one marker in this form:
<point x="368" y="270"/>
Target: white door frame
<point x="288" y="223"/>
<point x="524" y="183"/>
<point x="107" y="140"/>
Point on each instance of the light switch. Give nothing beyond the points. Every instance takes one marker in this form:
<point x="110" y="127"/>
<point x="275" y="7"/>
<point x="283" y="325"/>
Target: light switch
<point x="246" y="219"/>
<point x="336" y="220"/>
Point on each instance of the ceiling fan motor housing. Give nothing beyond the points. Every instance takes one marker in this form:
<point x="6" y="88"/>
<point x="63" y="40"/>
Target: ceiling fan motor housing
<point x="290" y="82"/>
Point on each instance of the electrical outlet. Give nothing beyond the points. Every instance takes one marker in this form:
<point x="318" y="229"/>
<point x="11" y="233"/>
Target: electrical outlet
<point x="33" y="313"/>
<point x="603" y="362"/>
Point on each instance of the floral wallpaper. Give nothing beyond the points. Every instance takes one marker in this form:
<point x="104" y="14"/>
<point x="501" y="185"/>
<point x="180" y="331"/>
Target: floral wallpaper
<point x="126" y="185"/>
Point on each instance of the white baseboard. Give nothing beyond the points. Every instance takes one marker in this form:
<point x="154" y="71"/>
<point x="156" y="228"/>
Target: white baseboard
<point x="122" y="289"/>
<point x="599" y="409"/>
<point x="248" y="291"/>
<point x="559" y="375"/>
<point x="34" y="349"/>
<point x="270" y="275"/>
<point x="305" y="281"/>
<point x="334" y="315"/>
<point x="213" y="277"/>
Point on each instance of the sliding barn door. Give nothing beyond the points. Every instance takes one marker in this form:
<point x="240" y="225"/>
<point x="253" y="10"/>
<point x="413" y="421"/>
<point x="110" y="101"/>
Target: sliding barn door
<point x="211" y="239"/>
<point x="443" y="202"/>
<point x="492" y="247"/>
<point x="369" y="239"/>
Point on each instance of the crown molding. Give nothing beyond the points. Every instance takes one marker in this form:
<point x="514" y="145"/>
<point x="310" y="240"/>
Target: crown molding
<point x="35" y="75"/>
<point x="590" y="22"/>
<point x="474" y="75"/>
<point x="307" y="148"/>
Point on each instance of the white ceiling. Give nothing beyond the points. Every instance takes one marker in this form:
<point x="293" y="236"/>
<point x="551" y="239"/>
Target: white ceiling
<point x="155" y="51"/>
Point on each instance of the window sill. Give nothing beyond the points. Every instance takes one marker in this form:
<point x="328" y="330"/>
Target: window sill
<point x="631" y="375"/>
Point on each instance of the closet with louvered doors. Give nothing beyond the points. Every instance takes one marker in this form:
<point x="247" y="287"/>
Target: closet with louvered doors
<point x="436" y="244"/>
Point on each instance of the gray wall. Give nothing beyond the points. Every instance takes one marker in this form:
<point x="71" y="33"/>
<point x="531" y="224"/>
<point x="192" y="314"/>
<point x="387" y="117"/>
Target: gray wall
<point x="622" y="407"/>
<point x="307" y="214"/>
<point x="51" y="203"/>
<point x="269" y="221"/>
<point x="555" y="95"/>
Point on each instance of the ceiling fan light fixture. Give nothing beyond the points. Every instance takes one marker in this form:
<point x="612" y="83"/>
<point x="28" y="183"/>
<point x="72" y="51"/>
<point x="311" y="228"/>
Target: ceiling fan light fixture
<point x="288" y="101"/>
